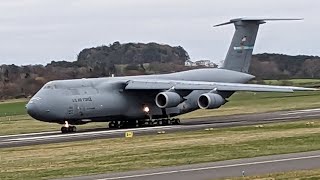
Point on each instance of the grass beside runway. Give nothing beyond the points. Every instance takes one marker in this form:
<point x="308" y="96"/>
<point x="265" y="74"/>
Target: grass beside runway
<point x="249" y="102"/>
<point x="14" y="120"/>
<point x="144" y="152"/>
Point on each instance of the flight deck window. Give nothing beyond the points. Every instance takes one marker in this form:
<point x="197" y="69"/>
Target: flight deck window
<point x="49" y="87"/>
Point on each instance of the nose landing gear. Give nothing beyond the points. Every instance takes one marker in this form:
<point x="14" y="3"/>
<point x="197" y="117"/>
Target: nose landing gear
<point x="66" y="128"/>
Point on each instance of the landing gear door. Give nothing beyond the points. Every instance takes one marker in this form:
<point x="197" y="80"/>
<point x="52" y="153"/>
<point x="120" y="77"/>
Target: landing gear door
<point x="70" y="111"/>
<point x="75" y="111"/>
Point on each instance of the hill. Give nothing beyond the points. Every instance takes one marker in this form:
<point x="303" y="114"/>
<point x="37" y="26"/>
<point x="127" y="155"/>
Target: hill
<point x="132" y="53"/>
<point x="280" y="66"/>
<point x="118" y="59"/>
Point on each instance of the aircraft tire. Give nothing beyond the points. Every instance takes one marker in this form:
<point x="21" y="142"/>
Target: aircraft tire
<point x="72" y="129"/>
<point x="111" y="124"/>
<point x="141" y="123"/>
<point x="64" y="130"/>
<point x="118" y="124"/>
<point x="176" y="121"/>
<point x="137" y="123"/>
<point x="150" y="123"/>
<point x="165" y="122"/>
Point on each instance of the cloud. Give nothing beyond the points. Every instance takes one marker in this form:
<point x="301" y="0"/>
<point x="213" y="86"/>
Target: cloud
<point x="37" y="31"/>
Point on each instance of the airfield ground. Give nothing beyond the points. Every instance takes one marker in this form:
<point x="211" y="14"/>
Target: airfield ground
<point x="122" y="154"/>
<point x="141" y="152"/>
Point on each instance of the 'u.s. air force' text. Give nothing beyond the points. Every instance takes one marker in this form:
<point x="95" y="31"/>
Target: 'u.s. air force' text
<point x="86" y="99"/>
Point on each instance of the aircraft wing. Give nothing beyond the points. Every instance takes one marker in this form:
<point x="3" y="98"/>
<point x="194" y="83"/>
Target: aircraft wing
<point x="156" y="84"/>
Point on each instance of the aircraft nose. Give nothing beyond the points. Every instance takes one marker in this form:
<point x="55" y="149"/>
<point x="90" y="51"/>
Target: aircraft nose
<point x="32" y="109"/>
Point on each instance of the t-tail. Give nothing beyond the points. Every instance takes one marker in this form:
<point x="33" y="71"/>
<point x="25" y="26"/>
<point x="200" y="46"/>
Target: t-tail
<point x="240" y="51"/>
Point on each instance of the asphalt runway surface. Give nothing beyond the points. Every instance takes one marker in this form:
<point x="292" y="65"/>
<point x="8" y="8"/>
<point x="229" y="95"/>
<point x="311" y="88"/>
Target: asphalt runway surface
<point x="222" y="169"/>
<point x="186" y="125"/>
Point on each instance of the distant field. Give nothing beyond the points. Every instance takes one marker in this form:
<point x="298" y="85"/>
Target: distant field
<point x="248" y="102"/>
<point x="13" y="108"/>
<point x="295" y="82"/>
<point x="142" y="152"/>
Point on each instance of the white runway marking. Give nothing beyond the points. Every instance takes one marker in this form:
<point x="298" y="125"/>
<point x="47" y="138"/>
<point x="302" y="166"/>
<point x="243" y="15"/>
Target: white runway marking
<point x="301" y="112"/>
<point x="89" y="133"/>
<point x="312" y="115"/>
<point x="29" y="134"/>
<point x="279" y="118"/>
<point x="211" y="167"/>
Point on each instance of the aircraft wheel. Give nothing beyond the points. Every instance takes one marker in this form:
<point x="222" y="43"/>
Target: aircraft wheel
<point x="118" y="124"/>
<point x="126" y="124"/>
<point x="141" y="123"/>
<point x="165" y="122"/>
<point x="177" y="121"/>
<point x="150" y="123"/>
<point x="154" y="123"/>
<point x="72" y="129"/>
<point x="64" y="129"/>
<point x="111" y="124"/>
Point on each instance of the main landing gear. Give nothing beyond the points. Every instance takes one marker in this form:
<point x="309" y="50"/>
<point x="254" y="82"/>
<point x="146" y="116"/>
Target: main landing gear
<point x="143" y="123"/>
<point x="66" y="128"/>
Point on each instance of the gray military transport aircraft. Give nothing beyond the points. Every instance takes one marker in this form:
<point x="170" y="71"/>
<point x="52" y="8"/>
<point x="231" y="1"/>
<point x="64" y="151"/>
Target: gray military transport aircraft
<point x="134" y="101"/>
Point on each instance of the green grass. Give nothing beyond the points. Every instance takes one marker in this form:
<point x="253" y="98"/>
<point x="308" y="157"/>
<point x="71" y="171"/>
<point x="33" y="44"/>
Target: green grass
<point x="12" y="108"/>
<point x="123" y="154"/>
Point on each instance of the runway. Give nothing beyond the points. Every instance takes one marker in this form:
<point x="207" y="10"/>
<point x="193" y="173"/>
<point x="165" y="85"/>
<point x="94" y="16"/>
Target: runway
<point x="187" y="125"/>
<point x="222" y="169"/>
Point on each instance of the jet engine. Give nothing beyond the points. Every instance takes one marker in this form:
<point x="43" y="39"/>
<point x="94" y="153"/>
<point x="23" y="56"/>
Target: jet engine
<point x="210" y="101"/>
<point x="168" y="99"/>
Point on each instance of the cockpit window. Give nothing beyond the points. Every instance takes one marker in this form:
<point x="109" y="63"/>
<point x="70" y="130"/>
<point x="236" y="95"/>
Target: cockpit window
<point x="50" y="87"/>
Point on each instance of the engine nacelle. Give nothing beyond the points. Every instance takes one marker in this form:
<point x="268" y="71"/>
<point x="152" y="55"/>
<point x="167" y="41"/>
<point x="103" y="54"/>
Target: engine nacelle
<point x="210" y="101"/>
<point x="168" y="99"/>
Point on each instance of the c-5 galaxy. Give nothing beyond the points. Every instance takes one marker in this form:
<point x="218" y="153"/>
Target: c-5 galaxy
<point x="133" y="101"/>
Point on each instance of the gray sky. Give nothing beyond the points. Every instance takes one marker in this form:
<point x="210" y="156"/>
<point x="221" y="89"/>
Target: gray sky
<point x="38" y="31"/>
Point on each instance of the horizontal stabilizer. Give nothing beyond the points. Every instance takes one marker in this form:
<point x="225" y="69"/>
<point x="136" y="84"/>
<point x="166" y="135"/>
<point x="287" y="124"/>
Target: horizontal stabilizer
<point x="258" y="20"/>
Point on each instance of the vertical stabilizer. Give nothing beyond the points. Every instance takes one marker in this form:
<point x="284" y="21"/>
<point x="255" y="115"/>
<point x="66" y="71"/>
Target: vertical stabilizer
<point x="240" y="51"/>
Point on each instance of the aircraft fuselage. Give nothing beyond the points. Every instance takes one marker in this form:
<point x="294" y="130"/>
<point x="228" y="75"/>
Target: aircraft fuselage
<point x="105" y="99"/>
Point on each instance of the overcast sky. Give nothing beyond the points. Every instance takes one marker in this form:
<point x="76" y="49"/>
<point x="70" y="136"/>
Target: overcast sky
<point x="38" y="31"/>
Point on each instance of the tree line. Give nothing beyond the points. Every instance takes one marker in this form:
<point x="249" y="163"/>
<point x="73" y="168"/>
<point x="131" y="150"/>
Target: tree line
<point x="139" y="59"/>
